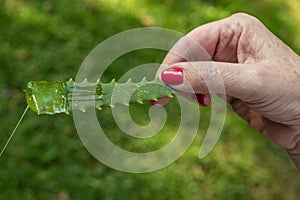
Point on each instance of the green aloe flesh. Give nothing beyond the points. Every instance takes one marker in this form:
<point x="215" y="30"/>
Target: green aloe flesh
<point x="62" y="97"/>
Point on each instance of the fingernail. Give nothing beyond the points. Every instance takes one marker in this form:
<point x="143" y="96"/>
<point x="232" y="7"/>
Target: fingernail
<point x="160" y="102"/>
<point x="203" y="99"/>
<point x="152" y="102"/>
<point x="172" y="76"/>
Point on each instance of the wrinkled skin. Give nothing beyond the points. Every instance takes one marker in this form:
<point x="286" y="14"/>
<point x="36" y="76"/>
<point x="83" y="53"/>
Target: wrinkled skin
<point x="261" y="75"/>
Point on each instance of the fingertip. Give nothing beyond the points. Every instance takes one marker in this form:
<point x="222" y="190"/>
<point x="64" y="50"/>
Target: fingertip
<point x="160" y="102"/>
<point x="172" y="76"/>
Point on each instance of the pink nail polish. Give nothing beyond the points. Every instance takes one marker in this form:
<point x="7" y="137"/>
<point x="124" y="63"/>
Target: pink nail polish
<point x="172" y="76"/>
<point x="152" y="102"/>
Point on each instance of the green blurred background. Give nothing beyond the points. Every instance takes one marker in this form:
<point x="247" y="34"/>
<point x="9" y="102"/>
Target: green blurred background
<point x="48" y="40"/>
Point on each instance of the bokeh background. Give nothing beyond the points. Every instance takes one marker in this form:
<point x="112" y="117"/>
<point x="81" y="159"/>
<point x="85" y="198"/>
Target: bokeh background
<point x="48" y="40"/>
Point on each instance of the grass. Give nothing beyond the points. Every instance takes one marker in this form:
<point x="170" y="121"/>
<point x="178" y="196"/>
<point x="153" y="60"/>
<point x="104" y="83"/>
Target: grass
<point x="48" y="40"/>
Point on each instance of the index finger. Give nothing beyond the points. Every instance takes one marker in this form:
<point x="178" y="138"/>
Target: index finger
<point x="216" y="41"/>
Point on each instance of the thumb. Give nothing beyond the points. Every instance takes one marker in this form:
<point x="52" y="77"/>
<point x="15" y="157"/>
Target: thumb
<point x="236" y="80"/>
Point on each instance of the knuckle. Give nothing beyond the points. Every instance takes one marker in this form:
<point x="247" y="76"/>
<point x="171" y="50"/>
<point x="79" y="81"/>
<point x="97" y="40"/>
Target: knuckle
<point x="245" y="19"/>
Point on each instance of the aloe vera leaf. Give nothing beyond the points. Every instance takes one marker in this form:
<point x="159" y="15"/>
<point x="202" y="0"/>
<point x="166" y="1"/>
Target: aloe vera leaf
<point x="60" y="97"/>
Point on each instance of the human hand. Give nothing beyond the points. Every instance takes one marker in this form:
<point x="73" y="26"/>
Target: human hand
<point x="261" y="75"/>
